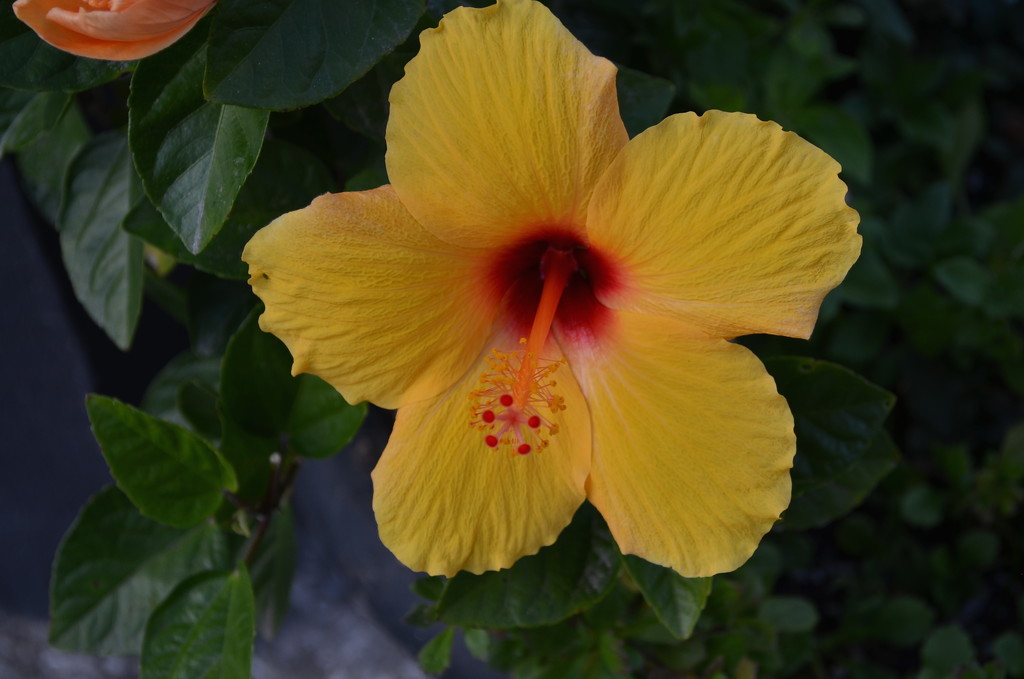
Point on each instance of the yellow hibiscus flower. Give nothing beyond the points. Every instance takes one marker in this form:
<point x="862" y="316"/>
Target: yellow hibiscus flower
<point x="549" y="304"/>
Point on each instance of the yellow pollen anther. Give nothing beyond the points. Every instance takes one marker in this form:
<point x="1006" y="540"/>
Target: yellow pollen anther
<point x="516" y="393"/>
<point x="514" y="403"/>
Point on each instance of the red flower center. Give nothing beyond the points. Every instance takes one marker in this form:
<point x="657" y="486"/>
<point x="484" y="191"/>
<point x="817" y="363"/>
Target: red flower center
<point x="548" y="279"/>
<point x="519" y="274"/>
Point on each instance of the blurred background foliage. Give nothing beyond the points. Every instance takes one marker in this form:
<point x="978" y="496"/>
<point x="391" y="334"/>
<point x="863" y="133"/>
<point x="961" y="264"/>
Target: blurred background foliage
<point x="902" y="554"/>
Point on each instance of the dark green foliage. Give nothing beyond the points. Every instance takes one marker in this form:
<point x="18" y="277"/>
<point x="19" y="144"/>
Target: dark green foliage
<point x="284" y="54"/>
<point x="193" y="155"/>
<point x="842" y="451"/>
<point x="103" y="262"/>
<point x="204" y="628"/>
<point x="169" y="473"/>
<point x="285" y="178"/>
<point x="44" y="162"/>
<point x="560" y="580"/>
<point x="24" y="117"/>
<point x="677" y="601"/>
<point x="114" y="566"/>
<point x="272" y="570"/>
<point x="436" y="655"/>
<point x="261" y="396"/>
<point x="643" y="99"/>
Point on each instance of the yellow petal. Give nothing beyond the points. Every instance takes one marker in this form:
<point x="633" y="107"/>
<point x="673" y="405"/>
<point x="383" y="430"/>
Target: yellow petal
<point x="503" y="122"/>
<point x="446" y="502"/>
<point x="726" y="222"/>
<point x="366" y="299"/>
<point x="692" y="444"/>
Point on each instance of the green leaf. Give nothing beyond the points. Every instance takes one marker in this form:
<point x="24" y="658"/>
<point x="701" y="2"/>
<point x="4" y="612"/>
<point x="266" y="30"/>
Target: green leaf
<point x="1005" y="223"/>
<point x="159" y="289"/>
<point x="901" y="621"/>
<point x="205" y="629"/>
<point x="171" y="475"/>
<point x="560" y="580"/>
<point x="933" y="126"/>
<point x="859" y="338"/>
<point x="788" y="613"/>
<point x="215" y="309"/>
<point x="103" y="262"/>
<point x="370" y="177"/>
<point x="955" y="465"/>
<point x="273" y="569"/>
<point x="909" y="240"/>
<point x="146" y="222"/>
<point x="609" y="612"/>
<point x="321" y="422"/>
<point x="1012" y="449"/>
<point x="197" y="402"/>
<point x="967" y="235"/>
<point x="964" y="278"/>
<point x="363" y="106"/>
<point x="855" y="535"/>
<point x="114" y="566"/>
<point x="841" y="450"/>
<point x="12" y="103"/>
<point x="922" y="506"/>
<point x="968" y="134"/>
<point x="870" y="283"/>
<point x="249" y="455"/>
<point x="946" y="649"/>
<point x="841" y="136"/>
<point x="265" y="55"/>
<point x="36" y="114"/>
<point x="285" y="178"/>
<point x="421" y="615"/>
<point x="162" y="398"/>
<point x="837" y="412"/>
<point x="28" y="63"/>
<point x="436" y="655"/>
<point x="790" y="80"/>
<point x="817" y="501"/>
<point x="257" y="386"/>
<point x="716" y="55"/>
<point x="643" y="99"/>
<point x="260" y="394"/>
<point x="978" y="549"/>
<point x="930" y="320"/>
<point x="887" y="17"/>
<point x="193" y="155"/>
<point x="478" y="643"/>
<point x="44" y="163"/>
<point x="430" y="587"/>
<point x="677" y="601"/>
<point x="1009" y="650"/>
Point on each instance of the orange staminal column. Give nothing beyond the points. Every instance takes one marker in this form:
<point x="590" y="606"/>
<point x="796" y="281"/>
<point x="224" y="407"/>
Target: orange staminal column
<point x="516" y="395"/>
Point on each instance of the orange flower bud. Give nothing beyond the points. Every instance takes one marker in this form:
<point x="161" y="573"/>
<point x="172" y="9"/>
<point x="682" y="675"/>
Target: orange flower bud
<point x="118" y="30"/>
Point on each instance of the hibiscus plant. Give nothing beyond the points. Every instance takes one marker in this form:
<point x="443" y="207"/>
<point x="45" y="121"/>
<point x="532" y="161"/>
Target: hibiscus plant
<point x="642" y="284"/>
